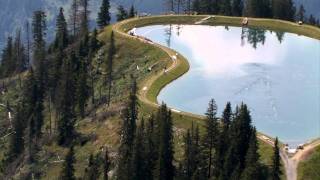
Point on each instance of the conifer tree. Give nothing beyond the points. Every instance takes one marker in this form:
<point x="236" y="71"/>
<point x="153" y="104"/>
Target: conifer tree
<point x="6" y="59"/>
<point x="132" y="12"/>
<point x="84" y="17"/>
<point x="225" y="7"/>
<point x="39" y="57"/>
<point x="210" y="139"/>
<point x="237" y="7"/>
<point x="75" y="17"/>
<point x="106" y="164"/>
<point x="66" y="122"/>
<point x="67" y="172"/>
<point x="276" y="162"/>
<point x="301" y="13"/>
<point x="196" y="6"/>
<point x="17" y="139"/>
<point x="81" y="74"/>
<point x="128" y="131"/>
<point x="104" y="14"/>
<point x="139" y="161"/>
<point x="92" y="170"/>
<point x="252" y="168"/>
<point x="151" y="150"/>
<point x="19" y="57"/>
<point x="164" y="168"/>
<point x="224" y="140"/>
<point x="122" y="13"/>
<point x="187" y="169"/>
<point x="61" y="40"/>
<point x="111" y="53"/>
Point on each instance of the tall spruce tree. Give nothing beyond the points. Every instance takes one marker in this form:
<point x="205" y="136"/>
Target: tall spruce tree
<point x="132" y="12"/>
<point x="210" y="138"/>
<point x="7" y="64"/>
<point x="67" y="172"/>
<point x="128" y="131"/>
<point x="111" y="53"/>
<point x="75" y="17"/>
<point x="252" y="168"/>
<point x="164" y="169"/>
<point x="122" y="13"/>
<point x="237" y="7"/>
<point x="84" y="17"/>
<point x="151" y="150"/>
<point x="41" y="73"/>
<point x="301" y="12"/>
<point x="104" y="14"/>
<point x="66" y="131"/>
<point x="224" y="140"/>
<point x="16" y="146"/>
<point x="61" y="40"/>
<point x="106" y="164"/>
<point x="276" y="162"/>
<point x="139" y="161"/>
<point x="92" y="170"/>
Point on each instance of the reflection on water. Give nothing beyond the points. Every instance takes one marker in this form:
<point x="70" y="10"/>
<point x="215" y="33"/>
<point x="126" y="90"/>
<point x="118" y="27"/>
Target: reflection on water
<point x="277" y="74"/>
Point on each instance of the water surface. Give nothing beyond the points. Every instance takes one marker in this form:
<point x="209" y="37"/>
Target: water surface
<point x="276" y="74"/>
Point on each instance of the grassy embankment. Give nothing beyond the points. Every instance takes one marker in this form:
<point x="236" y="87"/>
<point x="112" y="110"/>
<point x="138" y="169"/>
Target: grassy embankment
<point x="309" y="169"/>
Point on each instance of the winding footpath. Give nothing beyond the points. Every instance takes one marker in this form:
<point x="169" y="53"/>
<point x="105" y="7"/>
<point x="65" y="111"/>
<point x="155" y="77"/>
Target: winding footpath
<point x="290" y="161"/>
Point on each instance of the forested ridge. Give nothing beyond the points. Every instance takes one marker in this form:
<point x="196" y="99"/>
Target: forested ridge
<point x="57" y="91"/>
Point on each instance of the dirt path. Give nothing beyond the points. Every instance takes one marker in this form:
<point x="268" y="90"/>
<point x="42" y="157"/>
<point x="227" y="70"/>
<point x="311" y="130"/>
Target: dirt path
<point x="291" y="162"/>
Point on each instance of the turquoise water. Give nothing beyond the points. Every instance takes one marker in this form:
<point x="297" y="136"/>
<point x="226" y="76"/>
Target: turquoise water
<point x="276" y="74"/>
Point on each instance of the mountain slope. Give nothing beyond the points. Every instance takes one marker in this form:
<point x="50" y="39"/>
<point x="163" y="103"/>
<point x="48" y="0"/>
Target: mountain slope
<point x="15" y="13"/>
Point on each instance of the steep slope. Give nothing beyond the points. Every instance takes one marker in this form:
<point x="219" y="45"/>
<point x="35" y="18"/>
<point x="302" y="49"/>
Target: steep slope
<point x="15" y="13"/>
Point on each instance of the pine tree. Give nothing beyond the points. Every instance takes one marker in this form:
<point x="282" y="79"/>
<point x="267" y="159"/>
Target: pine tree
<point x="81" y="74"/>
<point x="92" y="170"/>
<point x="301" y="13"/>
<point x="276" y="162"/>
<point x="239" y="138"/>
<point x="252" y="168"/>
<point x="111" y="53"/>
<point x="210" y="139"/>
<point x="122" y="13"/>
<point x="16" y="146"/>
<point x="151" y="150"/>
<point x="139" y="161"/>
<point x="196" y="6"/>
<point x="66" y="122"/>
<point x="224" y="140"/>
<point x="29" y="100"/>
<point x="132" y="12"/>
<point x="106" y="164"/>
<point x="104" y="14"/>
<point x="67" y="172"/>
<point x="312" y="20"/>
<point x="84" y="17"/>
<point x="128" y="131"/>
<point x="187" y="170"/>
<point x="74" y="17"/>
<point x="225" y="7"/>
<point x="19" y="57"/>
<point x="6" y="59"/>
<point x="61" y="40"/>
<point x="41" y="73"/>
<point x="237" y="7"/>
<point x="164" y="168"/>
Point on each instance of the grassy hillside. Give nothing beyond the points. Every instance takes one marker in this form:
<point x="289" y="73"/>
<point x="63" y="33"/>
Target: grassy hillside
<point x="309" y="169"/>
